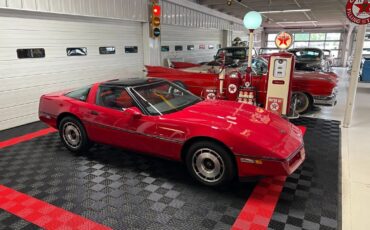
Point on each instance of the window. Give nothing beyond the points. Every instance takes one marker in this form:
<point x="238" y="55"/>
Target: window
<point x="332" y="45"/>
<point x="319" y="45"/>
<point x="271" y="37"/>
<point x="81" y="51"/>
<point x="300" y="44"/>
<point x="202" y="47"/>
<point x="114" y="97"/>
<point x="165" y="48"/>
<point x="190" y="47"/>
<point x="131" y="49"/>
<point x="211" y="47"/>
<point x="107" y="50"/>
<point x="333" y="36"/>
<point x="219" y="46"/>
<point x="178" y="48"/>
<point x="31" y="53"/>
<point x="302" y="37"/>
<point x="79" y="94"/>
<point x="317" y="36"/>
<point x="271" y="44"/>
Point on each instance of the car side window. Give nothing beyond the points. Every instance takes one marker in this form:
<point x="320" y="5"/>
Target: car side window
<point x="79" y="94"/>
<point x="114" y="97"/>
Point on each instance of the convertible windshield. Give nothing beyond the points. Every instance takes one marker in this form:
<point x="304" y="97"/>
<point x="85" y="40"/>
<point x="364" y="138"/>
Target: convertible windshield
<point x="307" y="54"/>
<point x="164" y="97"/>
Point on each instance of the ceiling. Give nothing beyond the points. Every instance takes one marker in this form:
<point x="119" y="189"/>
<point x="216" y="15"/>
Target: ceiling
<point x="323" y="14"/>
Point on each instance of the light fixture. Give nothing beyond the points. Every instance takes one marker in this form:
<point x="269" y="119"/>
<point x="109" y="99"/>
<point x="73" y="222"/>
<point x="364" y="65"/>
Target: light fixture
<point x="252" y="20"/>
<point x="229" y="2"/>
<point x="284" y="11"/>
<point x="297" y="22"/>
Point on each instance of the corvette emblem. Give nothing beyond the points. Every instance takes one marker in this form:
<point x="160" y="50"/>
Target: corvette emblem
<point x="358" y="11"/>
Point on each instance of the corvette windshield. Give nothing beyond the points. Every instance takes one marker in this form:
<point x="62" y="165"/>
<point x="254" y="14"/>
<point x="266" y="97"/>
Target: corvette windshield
<point x="164" y="97"/>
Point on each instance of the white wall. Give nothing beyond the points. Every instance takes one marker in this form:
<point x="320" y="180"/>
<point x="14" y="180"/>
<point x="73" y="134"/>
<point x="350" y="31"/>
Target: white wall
<point x="23" y="81"/>
<point x="179" y="35"/>
<point x="135" y="10"/>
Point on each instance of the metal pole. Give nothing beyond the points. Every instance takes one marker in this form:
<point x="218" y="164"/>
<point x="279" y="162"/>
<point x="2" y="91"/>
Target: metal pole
<point x="251" y="40"/>
<point x="354" y="76"/>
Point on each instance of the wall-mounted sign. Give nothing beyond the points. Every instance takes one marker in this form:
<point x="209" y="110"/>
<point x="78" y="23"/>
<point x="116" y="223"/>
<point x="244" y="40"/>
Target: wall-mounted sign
<point x="358" y="11"/>
<point x="283" y="40"/>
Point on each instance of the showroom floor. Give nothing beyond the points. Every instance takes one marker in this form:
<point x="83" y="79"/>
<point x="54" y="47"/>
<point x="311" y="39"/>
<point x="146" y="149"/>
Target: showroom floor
<point x="118" y="189"/>
<point x="355" y="153"/>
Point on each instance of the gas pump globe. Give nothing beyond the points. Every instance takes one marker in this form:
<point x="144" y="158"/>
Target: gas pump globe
<point x="252" y="21"/>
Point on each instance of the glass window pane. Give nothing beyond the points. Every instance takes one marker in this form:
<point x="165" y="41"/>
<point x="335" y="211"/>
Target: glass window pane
<point x="107" y="50"/>
<point x="317" y="36"/>
<point x="333" y="36"/>
<point x="165" y="48"/>
<point x="31" y="53"/>
<point x="319" y="45"/>
<point x="178" y="48"/>
<point x="367" y="44"/>
<point x="271" y="37"/>
<point x="335" y="53"/>
<point x="79" y="94"/>
<point x="331" y="45"/>
<point x="301" y="37"/>
<point x="300" y="44"/>
<point x="131" y="49"/>
<point x="190" y="47"/>
<point x="271" y="45"/>
<point x="81" y="51"/>
<point x="211" y="47"/>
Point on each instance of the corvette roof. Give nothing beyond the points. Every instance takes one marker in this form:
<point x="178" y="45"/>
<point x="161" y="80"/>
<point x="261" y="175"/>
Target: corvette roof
<point x="131" y="81"/>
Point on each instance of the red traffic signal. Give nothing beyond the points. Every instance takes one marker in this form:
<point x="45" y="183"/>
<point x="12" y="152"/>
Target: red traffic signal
<point x="156" y="10"/>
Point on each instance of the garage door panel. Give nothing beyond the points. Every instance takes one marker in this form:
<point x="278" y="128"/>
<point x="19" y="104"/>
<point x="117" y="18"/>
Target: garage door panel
<point x="179" y="35"/>
<point x="28" y="80"/>
<point x="23" y="81"/>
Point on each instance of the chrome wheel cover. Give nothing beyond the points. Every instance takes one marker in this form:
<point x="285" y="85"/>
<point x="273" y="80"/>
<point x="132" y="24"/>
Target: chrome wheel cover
<point x="72" y="135"/>
<point x="302" y="102"/>
<point x="208" y="165"/>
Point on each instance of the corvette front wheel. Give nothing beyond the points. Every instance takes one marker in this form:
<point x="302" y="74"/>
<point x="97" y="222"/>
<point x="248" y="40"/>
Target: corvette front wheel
<point x="210" y="163"/>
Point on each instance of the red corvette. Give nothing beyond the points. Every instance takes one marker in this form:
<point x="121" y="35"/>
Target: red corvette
<point x="217" y="140"/>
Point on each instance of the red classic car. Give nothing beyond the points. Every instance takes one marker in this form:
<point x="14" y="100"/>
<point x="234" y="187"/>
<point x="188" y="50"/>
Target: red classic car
<point x="217" y="140"/>
<point x="309" y="88"/>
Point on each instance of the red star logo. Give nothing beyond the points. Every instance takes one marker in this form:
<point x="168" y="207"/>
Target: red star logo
<point x="283" y="39"/>
<point x="363" y="7"/>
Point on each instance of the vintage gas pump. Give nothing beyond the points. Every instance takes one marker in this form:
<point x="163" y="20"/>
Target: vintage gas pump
<point x="279" y="83"/>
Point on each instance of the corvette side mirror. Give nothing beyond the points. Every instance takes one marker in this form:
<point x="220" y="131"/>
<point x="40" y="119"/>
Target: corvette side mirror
<point x="133" y="112"/>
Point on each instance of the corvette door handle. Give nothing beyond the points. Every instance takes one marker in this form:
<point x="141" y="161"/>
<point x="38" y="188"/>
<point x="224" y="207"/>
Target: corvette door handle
<point x="94" y="113"/>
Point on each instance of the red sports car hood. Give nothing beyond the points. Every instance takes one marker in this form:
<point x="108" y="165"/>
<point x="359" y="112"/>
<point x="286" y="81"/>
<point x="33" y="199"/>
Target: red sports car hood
<point x="255" y="129"/>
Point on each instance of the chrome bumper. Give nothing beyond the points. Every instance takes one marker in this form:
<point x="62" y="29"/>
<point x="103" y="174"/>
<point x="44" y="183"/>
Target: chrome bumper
<point x="328" y="101"/>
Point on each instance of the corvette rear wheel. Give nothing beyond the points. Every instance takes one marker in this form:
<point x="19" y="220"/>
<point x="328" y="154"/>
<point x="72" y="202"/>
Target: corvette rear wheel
<point x="303" y="102"/>
<point x="210" y="164"/>
<point x="73" y="135"/>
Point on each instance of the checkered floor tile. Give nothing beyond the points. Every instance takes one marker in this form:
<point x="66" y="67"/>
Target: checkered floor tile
<point x="11" y="222"/>
<point x="309" y="199"/>
<point x="119" y="189"/>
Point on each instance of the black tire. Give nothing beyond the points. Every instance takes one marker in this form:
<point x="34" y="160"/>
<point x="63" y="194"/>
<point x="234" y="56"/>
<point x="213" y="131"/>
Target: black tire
<point x="304" y="102"/>
<point x="73" y="135"/>
<point x="210" y="163"/>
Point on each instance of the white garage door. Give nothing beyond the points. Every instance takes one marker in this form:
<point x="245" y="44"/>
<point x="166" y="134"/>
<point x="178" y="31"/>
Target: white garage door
<point x="23" y="81"/>
<point x="189" y="44"/>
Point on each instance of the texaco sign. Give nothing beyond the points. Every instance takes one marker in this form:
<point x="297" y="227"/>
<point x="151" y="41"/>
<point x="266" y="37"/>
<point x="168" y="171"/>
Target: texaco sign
<point x="358" y="11"/>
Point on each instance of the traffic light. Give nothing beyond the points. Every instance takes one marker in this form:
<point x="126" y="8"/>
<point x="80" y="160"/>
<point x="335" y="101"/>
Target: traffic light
<point x="155" y="29"/>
